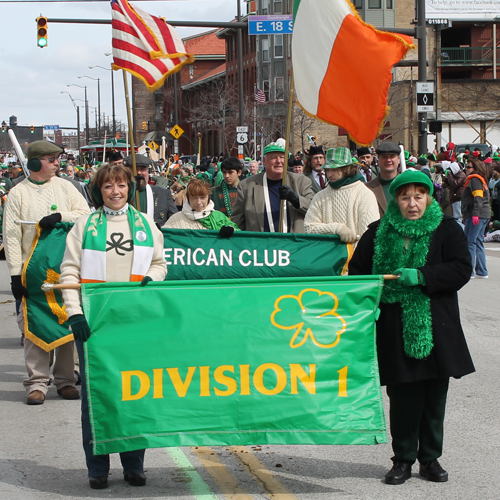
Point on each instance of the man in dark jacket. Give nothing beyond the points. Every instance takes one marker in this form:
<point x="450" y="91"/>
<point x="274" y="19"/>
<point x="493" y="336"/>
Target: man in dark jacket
<point x="155" y="201"/>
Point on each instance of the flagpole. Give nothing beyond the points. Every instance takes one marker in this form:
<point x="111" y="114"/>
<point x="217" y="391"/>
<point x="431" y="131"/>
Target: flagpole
<point x="287" y="147"/>
<point x="131" y="137"/>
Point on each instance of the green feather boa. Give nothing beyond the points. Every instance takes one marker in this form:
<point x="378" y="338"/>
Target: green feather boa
<point x="405" y="243"/>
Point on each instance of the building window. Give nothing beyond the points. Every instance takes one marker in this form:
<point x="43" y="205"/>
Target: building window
<point x="279" y="68"/>
<point x="265" y="7"/>
<point x="280" y="88"/>
<point x="264" y="70"/>
<point x="266" y="89"/>
<point x="278" y="7"/>
<point x="278" y="45"/>
<point x="342" y="132"/>
<point x="191" y="71"/>
<point x="265" y="49"/>
<point x="388" y="4"/>
<point x="358" y="4"/>
<point x="374" y="4"/>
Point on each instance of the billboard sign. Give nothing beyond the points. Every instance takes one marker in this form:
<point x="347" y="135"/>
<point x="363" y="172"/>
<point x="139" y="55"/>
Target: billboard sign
<point x="462" y="10"/>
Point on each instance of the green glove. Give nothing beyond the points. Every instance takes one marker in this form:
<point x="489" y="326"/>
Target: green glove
<point x="80" y="327"/>
<point x="409" y="277"/>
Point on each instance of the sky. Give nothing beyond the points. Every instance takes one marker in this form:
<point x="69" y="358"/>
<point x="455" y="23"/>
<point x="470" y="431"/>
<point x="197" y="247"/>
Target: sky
<point x="32" y="78"/>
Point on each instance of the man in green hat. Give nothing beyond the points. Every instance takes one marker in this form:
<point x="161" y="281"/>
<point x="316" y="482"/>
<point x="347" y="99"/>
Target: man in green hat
<point x="45" y="198"/>
<point x="257" y="206"/>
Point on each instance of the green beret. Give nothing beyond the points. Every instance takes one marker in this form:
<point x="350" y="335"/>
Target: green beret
<point x="410" y="177"/>
<point x="274" y="147"/>
<point x="38" y="149"/>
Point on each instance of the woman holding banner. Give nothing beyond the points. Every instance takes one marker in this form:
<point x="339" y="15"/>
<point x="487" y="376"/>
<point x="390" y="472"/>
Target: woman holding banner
<point x="198" y="212"/>
<point x="420" y="342"/>
<point x="116" y="243"/>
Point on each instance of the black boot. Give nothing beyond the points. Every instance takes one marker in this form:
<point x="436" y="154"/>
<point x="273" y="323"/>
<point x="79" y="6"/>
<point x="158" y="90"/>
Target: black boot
<point x="433" y="472"/>
<point x="400" y="472"/>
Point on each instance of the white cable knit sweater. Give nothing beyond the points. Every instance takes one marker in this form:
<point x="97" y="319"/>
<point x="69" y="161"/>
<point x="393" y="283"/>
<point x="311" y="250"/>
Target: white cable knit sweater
<point x="353" y="205"/>
<point x="32" y="202"/>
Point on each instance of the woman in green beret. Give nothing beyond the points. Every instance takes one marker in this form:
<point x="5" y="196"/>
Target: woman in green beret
<point x="420" y="342"/>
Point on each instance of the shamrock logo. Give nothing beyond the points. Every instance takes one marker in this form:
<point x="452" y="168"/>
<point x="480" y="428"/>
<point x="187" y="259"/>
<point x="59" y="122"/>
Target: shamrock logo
<point x="312" y="314"/>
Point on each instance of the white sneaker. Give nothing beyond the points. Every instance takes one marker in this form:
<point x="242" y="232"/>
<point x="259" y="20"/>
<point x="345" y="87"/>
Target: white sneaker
<point x="481" y="277"/>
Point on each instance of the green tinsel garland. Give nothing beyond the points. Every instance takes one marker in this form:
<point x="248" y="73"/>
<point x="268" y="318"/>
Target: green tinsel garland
<point x="391" y="253"/>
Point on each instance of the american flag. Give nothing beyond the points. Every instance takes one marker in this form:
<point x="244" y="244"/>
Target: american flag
<point x="145" y="45"/>
<point x="260" y="96"/>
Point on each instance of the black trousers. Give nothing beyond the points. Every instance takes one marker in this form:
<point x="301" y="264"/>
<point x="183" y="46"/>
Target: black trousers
<point x="417" y="419"/>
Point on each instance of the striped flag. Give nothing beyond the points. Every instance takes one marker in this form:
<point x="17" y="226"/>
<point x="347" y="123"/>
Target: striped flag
<point x="329" y="85"/>
<point x="260" y="96"/>
<point x="145" y="45"/>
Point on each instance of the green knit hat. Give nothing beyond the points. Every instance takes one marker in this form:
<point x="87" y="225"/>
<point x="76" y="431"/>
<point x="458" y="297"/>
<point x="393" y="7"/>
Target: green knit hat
<point x="410" y="177"/>
<point x="338" y="158"/>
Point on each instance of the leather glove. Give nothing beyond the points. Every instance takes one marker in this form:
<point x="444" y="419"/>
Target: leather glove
<point x="50" y="221"/>
<point x="146" y="280"/>
<point x="410" y="277"/>
<point x="226" y="231"/>
<point x="475" y="220"/>
<point x="80" y="327"/>
<point x="286" y="193"/>
<point x="347" y="235"/>
<point x="18" y="290"/>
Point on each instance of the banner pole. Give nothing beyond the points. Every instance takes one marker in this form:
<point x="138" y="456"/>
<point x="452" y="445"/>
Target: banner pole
<point x="131" y="137"/>
<point x="287" y="147"/>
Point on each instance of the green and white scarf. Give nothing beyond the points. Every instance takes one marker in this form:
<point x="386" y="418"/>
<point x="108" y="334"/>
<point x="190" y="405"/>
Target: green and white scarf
<point x="404" y="243"/>
<point x="227" y="199"/>
<point x="93" y="267"/>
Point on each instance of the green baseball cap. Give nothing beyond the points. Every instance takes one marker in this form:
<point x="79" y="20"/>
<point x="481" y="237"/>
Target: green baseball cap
<point x="274" y="147"/>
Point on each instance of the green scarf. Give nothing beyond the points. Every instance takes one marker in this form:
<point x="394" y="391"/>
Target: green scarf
<point x="390" y="254"/>
<point x="216" y="220"/>
<point x="345" y="181"/>
<point x="227" y="199"/>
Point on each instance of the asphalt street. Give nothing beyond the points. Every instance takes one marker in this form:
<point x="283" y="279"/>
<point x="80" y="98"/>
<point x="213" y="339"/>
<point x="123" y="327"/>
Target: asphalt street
<point x="41" y="456"/>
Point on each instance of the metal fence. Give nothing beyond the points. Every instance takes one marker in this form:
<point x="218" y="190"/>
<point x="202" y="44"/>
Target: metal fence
<point x="452" y="56"/>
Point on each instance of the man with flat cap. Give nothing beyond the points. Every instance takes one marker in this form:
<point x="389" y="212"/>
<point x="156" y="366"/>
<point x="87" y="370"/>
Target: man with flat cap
<point x="257" y="206"/>
<point x="155" y="201"/>
<point x="367" y="167"/>
<point x="388" y="163"/>
<point x="47" y="199"/>
<point x="313" y="168"/>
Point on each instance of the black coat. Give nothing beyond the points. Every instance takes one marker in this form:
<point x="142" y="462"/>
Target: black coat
<point x="448" y="269"/>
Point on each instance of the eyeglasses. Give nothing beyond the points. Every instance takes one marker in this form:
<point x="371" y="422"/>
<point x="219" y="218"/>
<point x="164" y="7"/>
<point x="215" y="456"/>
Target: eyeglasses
<point x="51" y="160"/>
<point x="468" y="166"/>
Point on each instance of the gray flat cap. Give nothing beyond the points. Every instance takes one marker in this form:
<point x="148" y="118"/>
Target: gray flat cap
<point x="388" y="148"/>
<point x="140" y="161"/>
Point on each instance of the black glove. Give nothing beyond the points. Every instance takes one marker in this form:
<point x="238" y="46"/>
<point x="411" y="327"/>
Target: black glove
<point x="146" y="280"/>
<point x="226" y="231"/>
<point x="50" y="221"/>
<point x="286" y="193"/>
<point x="18" y="290"/>
<point x="80" y="327"/>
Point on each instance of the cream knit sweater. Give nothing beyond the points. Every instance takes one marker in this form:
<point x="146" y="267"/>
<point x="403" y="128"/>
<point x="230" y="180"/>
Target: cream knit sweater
<point x="180" y="221"/>
<point x="118" y="260"/>
<point x="353" y="205"/>
<point x="32" y="202"/>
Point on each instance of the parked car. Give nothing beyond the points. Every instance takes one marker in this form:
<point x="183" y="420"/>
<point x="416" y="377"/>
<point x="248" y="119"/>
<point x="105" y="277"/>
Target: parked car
<point x="189" y="159"/>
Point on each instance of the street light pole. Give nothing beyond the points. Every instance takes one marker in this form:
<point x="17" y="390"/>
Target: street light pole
<point x="112" y="95"/>
<point x="77" y="116"/>
<point x="98" y="127"/>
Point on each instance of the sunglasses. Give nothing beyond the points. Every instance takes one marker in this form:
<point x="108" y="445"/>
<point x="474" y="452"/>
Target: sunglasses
<point x="52" y="159"/>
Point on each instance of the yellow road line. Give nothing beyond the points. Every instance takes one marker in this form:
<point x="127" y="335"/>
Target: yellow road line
<point x="271" y="485"/>
<point x="227" y="483"/>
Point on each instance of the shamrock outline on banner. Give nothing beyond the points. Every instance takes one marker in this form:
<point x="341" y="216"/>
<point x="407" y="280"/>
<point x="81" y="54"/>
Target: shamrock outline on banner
<point x="298" y="326"/>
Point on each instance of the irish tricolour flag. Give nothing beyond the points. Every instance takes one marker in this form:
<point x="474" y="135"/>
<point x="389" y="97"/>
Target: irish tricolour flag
<point x="342" y="66"/>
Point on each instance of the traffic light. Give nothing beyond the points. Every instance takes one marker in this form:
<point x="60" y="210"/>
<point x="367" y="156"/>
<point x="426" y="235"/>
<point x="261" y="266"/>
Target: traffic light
<point x="32" y="129"/>
<point x="144" y="125"/>
<point x="41" y="31"/>
<point x="3" y="127"/>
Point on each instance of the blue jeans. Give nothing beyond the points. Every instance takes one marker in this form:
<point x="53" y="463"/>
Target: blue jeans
<point x="98" y="465"/>
<point x="475" y="236"/>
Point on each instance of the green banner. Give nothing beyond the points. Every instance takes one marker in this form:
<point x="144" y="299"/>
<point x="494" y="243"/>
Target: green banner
<point x="190" y="255"/>
<point x="205" y="255"/>
<point x="238" y="362"/>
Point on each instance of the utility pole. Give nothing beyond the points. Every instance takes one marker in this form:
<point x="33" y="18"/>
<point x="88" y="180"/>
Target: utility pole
<point x="421" y="35"/>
